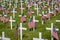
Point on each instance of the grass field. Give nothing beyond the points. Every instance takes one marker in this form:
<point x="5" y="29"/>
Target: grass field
<point x="29" y="35"/>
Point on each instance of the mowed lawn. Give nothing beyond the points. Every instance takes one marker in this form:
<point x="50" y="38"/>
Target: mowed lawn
<point x="27" y="34"/>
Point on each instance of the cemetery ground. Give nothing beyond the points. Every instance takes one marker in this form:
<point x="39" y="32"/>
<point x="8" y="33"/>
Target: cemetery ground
<point x="29" y="35"/>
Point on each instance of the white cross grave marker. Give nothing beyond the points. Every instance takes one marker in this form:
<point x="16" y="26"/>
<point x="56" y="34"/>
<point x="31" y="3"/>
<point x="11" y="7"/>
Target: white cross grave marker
<point x="51" y="30"/>
<point x="37" y="9"/>
<point x="52" y="4"/>
<point x="10" y="4"/>
<point x="21" y="28"/>
<point x="21" y="7"/>
<point x="40" y="37"/>
<point x="34" y="22"/>
<point x="14" y="12"/>
<point x="3" y="37"/>
<point x="11" y="22"/>
<point x="57" y="20"/>
<point x="16" y="1"/>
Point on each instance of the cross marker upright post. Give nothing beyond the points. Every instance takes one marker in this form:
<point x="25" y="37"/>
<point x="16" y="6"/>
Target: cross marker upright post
<point x="3" y="37"/>
<point x="34" y="22"/>
<point x="37" y="9"/>
<point x="13" y="11"/>
<point x="11" y="22"/>
<point x="21" y="28"/>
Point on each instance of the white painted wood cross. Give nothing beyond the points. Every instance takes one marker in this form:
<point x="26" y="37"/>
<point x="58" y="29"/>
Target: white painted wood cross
<point x="16" y="1"/>
<point x="51" y="30"/>
<point x="11" y="22"/>
<point x="21" y="6"/>
<point x="40" y="37"/>
<point x="21" y="28"/>
<point x="52" y="4"/>
<point x="10" y="4"/>
<point x="57" y="20"/>
<point x="34" y="22"/>
<point x="37" y="9"/>
<point x="3" y="37"/>
<point x="13" y="11"/>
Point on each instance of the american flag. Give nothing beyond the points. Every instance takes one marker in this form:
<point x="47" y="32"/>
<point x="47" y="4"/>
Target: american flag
<point x="2" y="18"/>
<point x="29" y="12"/>
<point x="6" y="11"/>
<point x="54" y="34"/>
<point x="31" y="23"/>
<point x="42" y="7"/>
<point x="48" y="14"/>
<point x="54" y="11"/>
<point x="16" y="31"/>
<point x="6" y="19"/>
<point x="42" y="17"/>
<point x="0" y="7"/>
<point x="23" y="18"/>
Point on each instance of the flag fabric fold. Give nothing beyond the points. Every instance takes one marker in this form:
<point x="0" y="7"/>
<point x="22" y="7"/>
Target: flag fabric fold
<point x="54" y="34"/>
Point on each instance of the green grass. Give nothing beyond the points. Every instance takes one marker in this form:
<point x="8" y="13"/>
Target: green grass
<point x="29" y="35"/>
